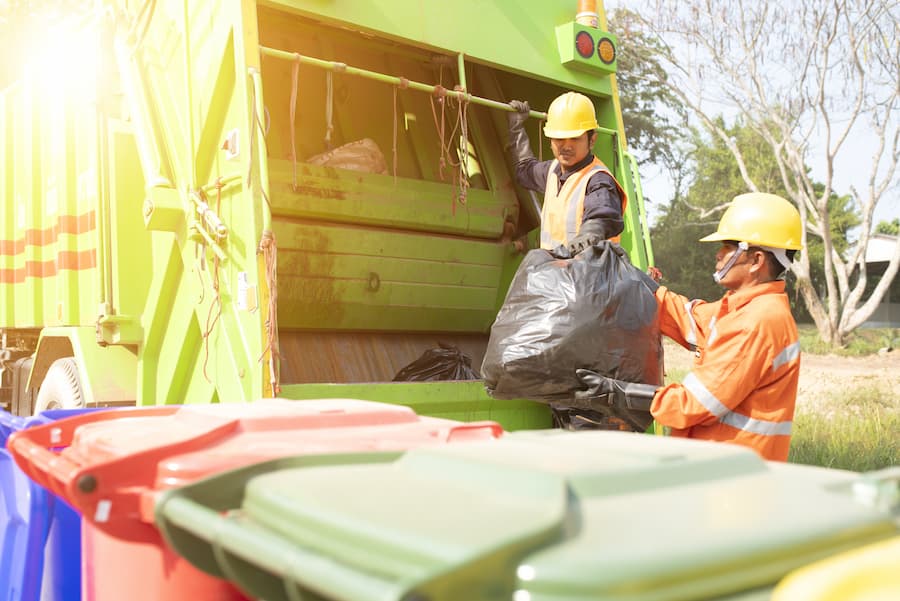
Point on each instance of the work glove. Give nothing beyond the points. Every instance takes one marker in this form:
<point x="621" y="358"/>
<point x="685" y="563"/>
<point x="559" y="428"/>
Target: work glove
<point x="519" y="146"/>
<point x="608" y="394"/>
<point x="591" y="232"/>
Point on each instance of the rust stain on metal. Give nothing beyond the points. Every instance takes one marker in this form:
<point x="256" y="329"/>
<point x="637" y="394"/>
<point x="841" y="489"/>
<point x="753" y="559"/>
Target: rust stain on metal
<point x="320" y="192"/>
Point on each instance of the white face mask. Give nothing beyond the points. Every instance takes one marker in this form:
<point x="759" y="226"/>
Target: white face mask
<point x="717" y="276"/>
<point x="779" y="253"/>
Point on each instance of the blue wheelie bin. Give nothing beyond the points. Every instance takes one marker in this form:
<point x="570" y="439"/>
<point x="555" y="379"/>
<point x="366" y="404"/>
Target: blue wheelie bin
<point x="40" y="533"/>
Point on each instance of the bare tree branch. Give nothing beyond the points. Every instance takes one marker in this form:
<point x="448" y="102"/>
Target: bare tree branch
<point x="810" y="78"/>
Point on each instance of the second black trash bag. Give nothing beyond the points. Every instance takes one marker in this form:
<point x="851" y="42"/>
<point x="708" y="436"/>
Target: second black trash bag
<point x="444" y="363"/>
<point x="594" y="311"/>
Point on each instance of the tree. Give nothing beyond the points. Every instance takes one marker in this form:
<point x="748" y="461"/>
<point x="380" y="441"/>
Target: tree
<point x="807" y="77"/>
<point x="892" y="228"/>
<point x="652" y="114"/>
<point x="714" y="179"/>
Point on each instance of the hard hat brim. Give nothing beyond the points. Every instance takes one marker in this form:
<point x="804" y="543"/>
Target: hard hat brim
<point x="564" y="133"/>
<point x="715" y="237"/>
<point x="718" y="237"/>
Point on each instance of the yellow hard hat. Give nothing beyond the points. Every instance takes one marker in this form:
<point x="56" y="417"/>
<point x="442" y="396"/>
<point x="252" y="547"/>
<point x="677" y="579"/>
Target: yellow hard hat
<point x="760" y="219"/>
<point x="569" y="116"/>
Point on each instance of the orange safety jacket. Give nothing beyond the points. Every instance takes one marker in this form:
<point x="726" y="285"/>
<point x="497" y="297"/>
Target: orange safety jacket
<point x="743" y="386"/>
<point x="564" y="207"/>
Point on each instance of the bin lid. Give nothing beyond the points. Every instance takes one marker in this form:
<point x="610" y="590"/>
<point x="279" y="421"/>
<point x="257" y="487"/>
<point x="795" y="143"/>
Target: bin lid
<point x="865" y="574"/>
<point x="532" y="516"/>
<point x="111" y="466"/>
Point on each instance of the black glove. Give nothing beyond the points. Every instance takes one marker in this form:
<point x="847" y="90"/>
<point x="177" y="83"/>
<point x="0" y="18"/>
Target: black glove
<point x="519" y="146"/>
<point x="591" y="232"/>
<point x="608" y="393"/>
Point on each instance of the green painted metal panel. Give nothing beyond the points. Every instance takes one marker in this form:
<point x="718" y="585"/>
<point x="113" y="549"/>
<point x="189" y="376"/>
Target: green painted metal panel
<point x="559" y="516"/>
<point x="360" y="278"/>
<point x="323" y="193"/>
<point x="463" y="401"/>
<point x="506" y="34"/>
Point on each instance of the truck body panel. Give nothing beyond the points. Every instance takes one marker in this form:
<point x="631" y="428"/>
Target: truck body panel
<point x="182" y="199"/>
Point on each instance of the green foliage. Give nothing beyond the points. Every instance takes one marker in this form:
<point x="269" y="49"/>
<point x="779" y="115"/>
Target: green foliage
<point x="648" y="106"/>
<point x="892" y="228"/>
<point x="716" y="179"/>
<point x="858" y="431"/>
<point x="687" y="265"/>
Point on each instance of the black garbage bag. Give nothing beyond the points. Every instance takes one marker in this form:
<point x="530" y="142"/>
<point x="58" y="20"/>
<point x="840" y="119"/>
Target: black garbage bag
<point x="444" y="363"/>
<point x="594" y="311"/>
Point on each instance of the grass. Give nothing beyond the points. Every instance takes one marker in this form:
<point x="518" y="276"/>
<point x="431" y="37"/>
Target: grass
<point x="861" y="342"/>
<point x="856" y="430"/>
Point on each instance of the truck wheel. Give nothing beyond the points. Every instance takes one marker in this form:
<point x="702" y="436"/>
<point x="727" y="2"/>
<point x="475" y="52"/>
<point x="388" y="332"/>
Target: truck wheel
<point x="61" y="388"/>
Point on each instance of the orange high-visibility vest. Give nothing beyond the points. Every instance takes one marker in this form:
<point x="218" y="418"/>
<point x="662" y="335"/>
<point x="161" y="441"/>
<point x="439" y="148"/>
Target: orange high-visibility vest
<point x="743" y="387"/>
<point x="563" y="210"/>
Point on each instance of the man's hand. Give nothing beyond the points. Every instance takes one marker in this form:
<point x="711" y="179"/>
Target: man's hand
<point x="591" y="232"/>
<point x="601" y="391"/>
<point x="519" y="146"/>
<point x="655" y="274"/>
<point x="518" y="118"/>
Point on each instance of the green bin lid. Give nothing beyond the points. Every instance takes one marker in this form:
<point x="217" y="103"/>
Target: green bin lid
<point x="533" y="516"/>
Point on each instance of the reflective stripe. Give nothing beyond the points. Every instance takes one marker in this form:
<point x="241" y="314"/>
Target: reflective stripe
<point x="712" y="332"/>
<point x="573" y="219"/>
<point x="756" y="426"/>
<point x="736" y="420"/>
<point x="702" y="394"/>
<point x="691" y="337"/>
<point x="786" y="356"/>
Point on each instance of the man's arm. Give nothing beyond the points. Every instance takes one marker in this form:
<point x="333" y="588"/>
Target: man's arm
<point x="530" y="173"/>
<point x="602" y="202"/>
<point x="602" y="217"/>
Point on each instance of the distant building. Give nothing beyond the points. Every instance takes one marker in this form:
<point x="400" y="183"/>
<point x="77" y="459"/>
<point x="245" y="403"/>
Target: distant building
<point x="878" y="254"/>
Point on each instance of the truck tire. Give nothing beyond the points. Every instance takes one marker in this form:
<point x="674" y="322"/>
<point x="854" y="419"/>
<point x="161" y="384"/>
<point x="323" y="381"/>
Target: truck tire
<point x="61" y="388"/>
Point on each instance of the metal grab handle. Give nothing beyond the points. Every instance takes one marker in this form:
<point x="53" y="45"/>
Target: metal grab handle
<point x="336" y="66"/>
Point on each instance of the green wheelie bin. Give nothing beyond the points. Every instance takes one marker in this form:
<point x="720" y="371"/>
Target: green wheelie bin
<point x="534" y="516"/>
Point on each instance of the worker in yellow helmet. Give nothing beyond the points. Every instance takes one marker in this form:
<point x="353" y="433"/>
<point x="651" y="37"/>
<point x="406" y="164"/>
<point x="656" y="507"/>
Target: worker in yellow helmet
<point x="743" y="385"/>
<point x="583" y="202"/>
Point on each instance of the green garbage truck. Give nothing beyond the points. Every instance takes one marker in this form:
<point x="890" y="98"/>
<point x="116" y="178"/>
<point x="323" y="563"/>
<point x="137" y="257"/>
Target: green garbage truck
<point x="222" y="201"/>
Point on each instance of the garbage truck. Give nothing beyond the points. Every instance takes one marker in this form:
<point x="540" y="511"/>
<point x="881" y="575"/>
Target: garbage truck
<point x="229" y="200"/>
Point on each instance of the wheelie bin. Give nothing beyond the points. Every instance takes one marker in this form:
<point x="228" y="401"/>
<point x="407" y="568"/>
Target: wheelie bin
<point x="40" y="533"/>
<point x="534" y="516"/>
<point x="111" y="466"/>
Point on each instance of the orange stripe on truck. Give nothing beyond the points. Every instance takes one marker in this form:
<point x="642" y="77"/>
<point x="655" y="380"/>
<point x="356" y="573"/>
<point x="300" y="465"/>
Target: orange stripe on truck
<point x="65" y="224"/>
<point x="65" y="260"/>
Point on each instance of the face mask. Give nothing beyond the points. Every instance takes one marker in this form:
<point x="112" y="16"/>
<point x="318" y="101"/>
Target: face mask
<point x="717" y="276"/>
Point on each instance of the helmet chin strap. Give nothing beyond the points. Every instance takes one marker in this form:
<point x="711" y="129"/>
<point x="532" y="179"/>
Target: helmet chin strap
<point x="717" y="276"/>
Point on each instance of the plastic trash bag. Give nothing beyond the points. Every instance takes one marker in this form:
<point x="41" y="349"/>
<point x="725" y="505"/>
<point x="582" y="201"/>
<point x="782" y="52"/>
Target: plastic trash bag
<point x="361" y="155"/>
<point x="594" y="311"/>
<point x="444" y="363"/>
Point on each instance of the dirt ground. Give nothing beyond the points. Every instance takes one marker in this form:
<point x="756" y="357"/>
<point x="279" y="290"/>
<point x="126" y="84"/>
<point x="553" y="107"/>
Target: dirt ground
<point x="823" y="377"/>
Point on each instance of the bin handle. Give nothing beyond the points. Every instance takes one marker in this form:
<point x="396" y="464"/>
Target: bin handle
<point x="33" y="452"/>
<point x="475" y="431"/>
